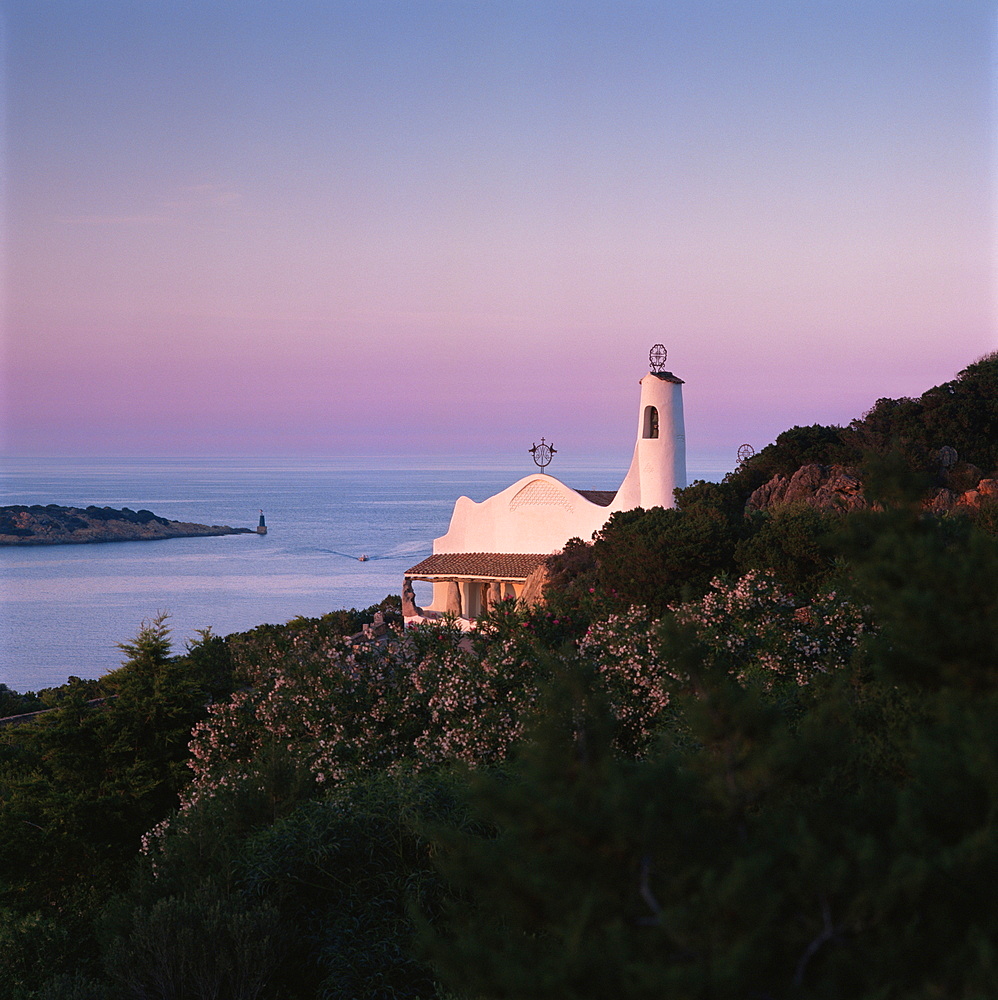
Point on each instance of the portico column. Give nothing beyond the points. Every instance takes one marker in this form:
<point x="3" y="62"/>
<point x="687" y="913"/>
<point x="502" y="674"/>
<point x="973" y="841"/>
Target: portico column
<point x="452" y="604"/>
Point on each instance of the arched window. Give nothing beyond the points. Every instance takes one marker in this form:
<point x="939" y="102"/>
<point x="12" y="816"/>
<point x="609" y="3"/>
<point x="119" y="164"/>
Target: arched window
<point x="651" y="422"/>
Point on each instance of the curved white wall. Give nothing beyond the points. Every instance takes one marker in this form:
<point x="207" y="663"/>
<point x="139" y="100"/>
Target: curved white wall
<point x="539" y="514"/>
<point x="536" y="514"/>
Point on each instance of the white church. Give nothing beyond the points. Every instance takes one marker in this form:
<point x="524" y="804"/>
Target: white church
<point x="492" y="547"/>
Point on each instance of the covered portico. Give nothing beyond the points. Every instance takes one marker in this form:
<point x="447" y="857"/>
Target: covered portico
<point x="465" y="584"/>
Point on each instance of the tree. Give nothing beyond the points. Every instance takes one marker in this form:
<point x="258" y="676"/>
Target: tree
<point x="657" y="557"/>
<point x="720" y="866"/>
<point x="12" y="703"/>
<point x="933" y="585"/>
<point x="961" y="414"/>
<point x="155" y="701"/>
<point x="792" y="541"/>
<point x="759" y="854"/>
<point x="196" y="946"/>
<point x="80" y="785"/>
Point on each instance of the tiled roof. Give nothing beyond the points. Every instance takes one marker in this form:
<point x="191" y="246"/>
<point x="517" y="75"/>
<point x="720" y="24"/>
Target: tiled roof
<point x="479" y="565"/>
<point x="668" y="377"/>
<point x="602" y="498"/>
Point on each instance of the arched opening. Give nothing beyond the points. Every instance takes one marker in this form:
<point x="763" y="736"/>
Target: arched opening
<point x="651" y="422"/>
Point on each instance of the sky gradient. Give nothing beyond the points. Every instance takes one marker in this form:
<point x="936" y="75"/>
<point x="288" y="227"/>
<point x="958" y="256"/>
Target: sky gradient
<point x="451" y="227"/>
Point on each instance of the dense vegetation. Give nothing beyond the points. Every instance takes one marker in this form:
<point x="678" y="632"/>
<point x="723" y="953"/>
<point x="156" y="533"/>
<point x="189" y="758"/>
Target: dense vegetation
<point x="733" y="755"/>
<point x="67" y="519"/>
<point x="961" y="414"/>
<point x="55" y="525"/>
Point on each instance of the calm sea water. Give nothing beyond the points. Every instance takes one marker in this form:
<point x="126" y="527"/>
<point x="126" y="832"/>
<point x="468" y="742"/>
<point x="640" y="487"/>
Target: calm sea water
<point x="64" y="608"/>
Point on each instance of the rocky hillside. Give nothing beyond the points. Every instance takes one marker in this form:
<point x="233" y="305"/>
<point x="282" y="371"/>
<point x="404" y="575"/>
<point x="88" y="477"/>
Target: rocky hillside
<point x="839" y="487"/>
<point x="55" y="525"/>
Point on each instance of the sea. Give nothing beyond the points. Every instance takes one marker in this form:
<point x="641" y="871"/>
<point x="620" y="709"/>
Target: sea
<point x="64" y="609"/>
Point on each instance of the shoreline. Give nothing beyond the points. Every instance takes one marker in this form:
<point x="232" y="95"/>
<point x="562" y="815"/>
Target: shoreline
<point x="52" y="524"/>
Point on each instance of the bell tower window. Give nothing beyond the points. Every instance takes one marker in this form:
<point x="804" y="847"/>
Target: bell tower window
<point x="651" y="422"/>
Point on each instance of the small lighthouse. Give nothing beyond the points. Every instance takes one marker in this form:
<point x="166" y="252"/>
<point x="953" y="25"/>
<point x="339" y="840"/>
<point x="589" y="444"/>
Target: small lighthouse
<point x="659" y="463"/>
<point x="261" y="528"/>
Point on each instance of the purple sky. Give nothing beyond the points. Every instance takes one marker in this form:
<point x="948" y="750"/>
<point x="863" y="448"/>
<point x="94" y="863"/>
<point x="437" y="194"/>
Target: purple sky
<point x="326" y="228"/>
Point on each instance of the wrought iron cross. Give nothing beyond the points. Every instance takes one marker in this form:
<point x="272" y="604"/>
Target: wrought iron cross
<point x="542" y="453"/>
<point x="656" y="358"/>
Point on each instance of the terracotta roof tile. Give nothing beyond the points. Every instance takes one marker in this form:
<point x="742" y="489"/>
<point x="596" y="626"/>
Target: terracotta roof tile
<point x="479" y="565"/>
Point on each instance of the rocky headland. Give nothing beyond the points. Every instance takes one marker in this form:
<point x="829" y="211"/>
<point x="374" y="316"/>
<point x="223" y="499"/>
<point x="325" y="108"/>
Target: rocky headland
<point x="55" y="525"/>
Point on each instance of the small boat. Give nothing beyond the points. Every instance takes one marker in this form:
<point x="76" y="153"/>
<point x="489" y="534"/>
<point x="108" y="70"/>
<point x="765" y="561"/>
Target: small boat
<point x="362" y="558"/>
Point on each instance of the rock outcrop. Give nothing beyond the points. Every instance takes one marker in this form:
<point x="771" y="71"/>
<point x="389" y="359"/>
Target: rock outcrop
<point x="55" y="525"/>
<point x="409" y="606"/>
<point x="533" y="586"/>
<point x="945" y="500"/>
<point x="827" y="487"/>
<point x="837" y="487"/>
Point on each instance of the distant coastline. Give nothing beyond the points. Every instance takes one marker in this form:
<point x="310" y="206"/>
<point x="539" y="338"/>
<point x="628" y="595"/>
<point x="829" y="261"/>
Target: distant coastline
<point x="55" y="525"/>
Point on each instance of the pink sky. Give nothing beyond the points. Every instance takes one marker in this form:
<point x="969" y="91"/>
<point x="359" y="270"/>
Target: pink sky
<point x="369" y="227"/>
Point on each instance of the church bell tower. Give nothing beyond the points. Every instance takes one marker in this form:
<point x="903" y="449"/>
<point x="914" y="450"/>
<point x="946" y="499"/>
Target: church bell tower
<point x="659" y="463"/>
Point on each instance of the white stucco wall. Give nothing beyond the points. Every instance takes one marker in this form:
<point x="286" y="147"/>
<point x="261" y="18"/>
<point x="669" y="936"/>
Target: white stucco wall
<point x="536" y="514"/>
<point x="539" y="514"/>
